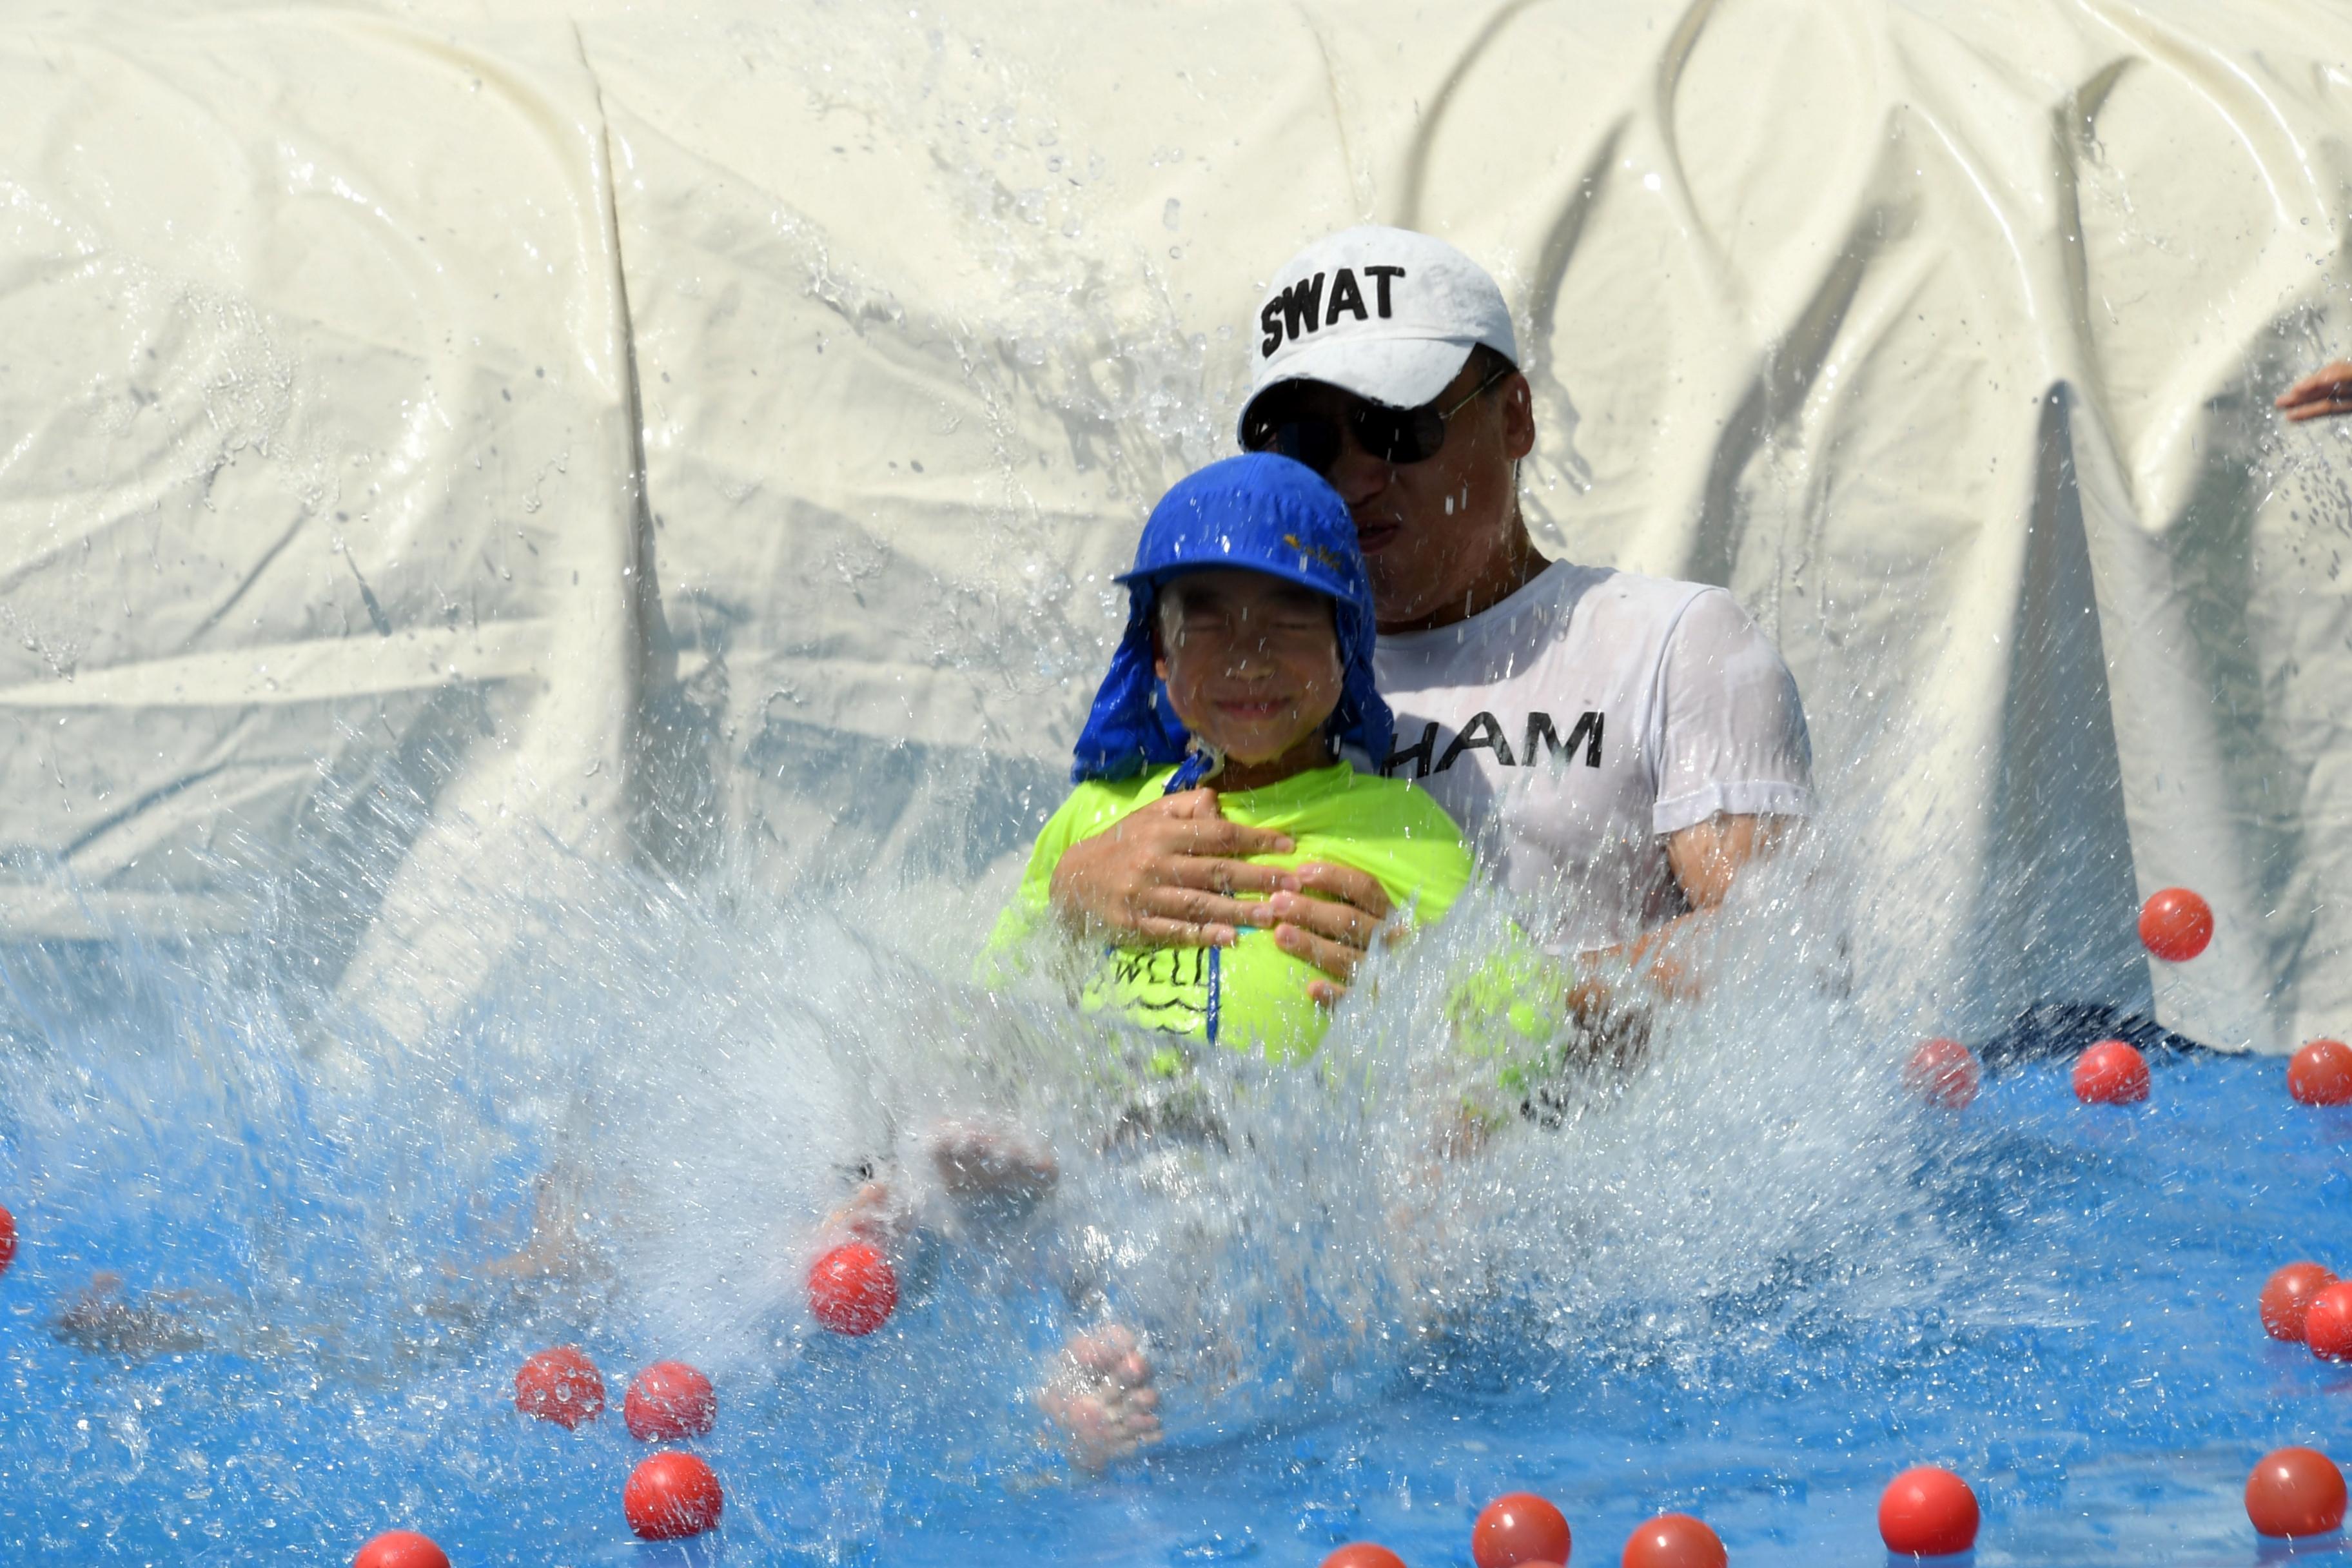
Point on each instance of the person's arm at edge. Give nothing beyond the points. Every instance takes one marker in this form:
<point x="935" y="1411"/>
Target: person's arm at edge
<point x="2325" y="393"/>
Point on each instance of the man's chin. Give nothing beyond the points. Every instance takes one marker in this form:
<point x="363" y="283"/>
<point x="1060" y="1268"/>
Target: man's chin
<point x="1392" y="601"/>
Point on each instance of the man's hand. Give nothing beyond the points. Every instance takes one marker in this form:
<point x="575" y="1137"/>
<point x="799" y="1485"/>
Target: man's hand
<point x="1168" y="874"/>
<point x="1331" y="932"/>
<point x="2323" y="392"/>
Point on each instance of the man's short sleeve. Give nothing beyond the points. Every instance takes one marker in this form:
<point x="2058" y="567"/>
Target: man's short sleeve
<point x="1731" y="730"/>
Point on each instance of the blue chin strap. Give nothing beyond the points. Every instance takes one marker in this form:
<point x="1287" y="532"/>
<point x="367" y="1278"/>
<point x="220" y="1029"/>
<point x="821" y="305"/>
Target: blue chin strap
<point x="1200" y="764"/>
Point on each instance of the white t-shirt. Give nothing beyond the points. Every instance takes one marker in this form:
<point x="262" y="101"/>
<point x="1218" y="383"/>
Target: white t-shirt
<point x="1574" y="726"/>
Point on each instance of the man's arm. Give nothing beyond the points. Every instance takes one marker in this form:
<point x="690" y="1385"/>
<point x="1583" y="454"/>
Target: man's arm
<point x="1168" y="875"/>
<point x="1735" y="773"/>
<point x="1706" y="859"/>
<point x="1610" y="1002"/>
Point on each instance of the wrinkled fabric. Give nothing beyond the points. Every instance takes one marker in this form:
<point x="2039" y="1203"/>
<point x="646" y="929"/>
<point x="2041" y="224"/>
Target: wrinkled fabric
<point x="448" y="440"/>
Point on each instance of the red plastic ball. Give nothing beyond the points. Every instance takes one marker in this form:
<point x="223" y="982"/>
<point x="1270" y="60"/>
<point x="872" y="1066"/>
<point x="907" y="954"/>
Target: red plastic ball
<point x="401" y="1548"/>
<point x="1928" y="1512"/>
<point x="2111" y="1073"/>
<point x="672" y="1496"/>
<point x="2321" y="1073"/>
<point x="1944" y="1072"/>
<point x="2176" y="924"/>
<point x="560" y="1385"/>
<point x="2295" y="1491"/>
<point x="852" y="1290"/>
<point x="1675" y="1540"/>
<point x="1363" y="1555"/>
<point x="2286" y="1298"/>
<point x="7" y="1239"/>
<point x="1518" y="1529"/>
<point x="2328" y="1323"/>
<point x="667" y="1401"/>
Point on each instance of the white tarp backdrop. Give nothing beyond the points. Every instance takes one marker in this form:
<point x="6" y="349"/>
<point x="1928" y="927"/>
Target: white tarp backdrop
<point x="444" y="443"/>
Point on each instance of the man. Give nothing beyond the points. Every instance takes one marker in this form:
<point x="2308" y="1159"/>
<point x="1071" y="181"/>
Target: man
<point x="1619" y="747"/>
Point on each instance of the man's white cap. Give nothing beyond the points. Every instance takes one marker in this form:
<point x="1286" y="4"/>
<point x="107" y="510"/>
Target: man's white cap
<point x="1385" y="313"/>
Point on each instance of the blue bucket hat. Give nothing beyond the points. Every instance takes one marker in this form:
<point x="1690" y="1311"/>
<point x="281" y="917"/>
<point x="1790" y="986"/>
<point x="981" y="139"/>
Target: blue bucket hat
<point x="1259" y="512"/>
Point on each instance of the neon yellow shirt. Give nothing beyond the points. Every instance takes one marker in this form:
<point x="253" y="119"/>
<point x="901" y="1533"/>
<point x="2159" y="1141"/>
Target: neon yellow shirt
<point x="1254" y="992"/>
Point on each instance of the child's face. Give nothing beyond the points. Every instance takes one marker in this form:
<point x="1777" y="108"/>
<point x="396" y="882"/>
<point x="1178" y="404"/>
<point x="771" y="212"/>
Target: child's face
<point x="1251" y="662"/>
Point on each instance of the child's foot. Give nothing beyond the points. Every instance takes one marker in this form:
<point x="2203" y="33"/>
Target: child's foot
<point x="993" y="1167"/>
<point x="875" y="1214"/>
<point x="1101" y="1397"/>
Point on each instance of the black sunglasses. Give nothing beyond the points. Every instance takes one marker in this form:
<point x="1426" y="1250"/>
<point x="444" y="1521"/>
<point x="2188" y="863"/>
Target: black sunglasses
<point x="1391" y="435"/>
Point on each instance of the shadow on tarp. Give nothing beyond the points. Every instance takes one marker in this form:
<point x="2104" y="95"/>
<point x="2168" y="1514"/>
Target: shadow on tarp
<point x="2054" y="1030"/>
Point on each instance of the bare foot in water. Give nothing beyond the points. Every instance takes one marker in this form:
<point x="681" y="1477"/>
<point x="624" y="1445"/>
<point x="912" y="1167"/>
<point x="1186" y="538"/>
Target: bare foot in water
<point x="876" y="1214"/>
<point x="993" y="1167"/>
<point x="991" y="1170"/>
<point x="1101" y="1399"/>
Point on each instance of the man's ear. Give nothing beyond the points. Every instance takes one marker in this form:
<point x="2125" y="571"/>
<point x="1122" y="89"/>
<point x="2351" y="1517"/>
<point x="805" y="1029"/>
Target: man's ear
<point x="1518" y="417"/>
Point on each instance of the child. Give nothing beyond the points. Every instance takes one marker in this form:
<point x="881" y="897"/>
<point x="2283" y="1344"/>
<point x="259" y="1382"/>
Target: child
<point x="1246" y="666"/>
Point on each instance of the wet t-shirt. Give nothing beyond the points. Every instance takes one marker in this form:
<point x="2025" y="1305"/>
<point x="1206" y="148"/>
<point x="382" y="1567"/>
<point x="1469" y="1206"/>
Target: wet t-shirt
<point x="1251" y="996"/>
<point x="1572" y="728"/>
